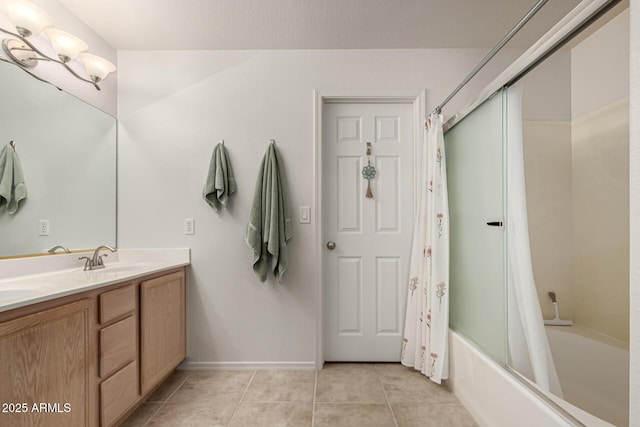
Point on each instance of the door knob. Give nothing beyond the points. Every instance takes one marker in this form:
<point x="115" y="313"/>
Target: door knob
<point x="331" y="245"/>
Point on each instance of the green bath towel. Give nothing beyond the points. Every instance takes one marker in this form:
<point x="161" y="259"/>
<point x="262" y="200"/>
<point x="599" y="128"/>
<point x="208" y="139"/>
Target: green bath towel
<point x="12" y="188"/>
<point x="269" y="226"/>
<point x="220" y="180"/>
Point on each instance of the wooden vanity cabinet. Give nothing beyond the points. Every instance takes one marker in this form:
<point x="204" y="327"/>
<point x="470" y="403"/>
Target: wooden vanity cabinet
<point x="93" y="357"/>
<point x="135" y="361"/>
<point x="44" y="368"/>
<point x="162" y="326"/>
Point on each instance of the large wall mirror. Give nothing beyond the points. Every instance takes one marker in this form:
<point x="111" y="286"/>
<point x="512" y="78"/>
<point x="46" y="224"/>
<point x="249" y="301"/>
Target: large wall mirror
<point x="67" y="150"/>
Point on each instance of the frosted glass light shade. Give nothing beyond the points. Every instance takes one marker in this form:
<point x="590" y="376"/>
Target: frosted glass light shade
<point x="66" y="45"/>
<point x="27" y="18"/>
<point x="97" y="67"/>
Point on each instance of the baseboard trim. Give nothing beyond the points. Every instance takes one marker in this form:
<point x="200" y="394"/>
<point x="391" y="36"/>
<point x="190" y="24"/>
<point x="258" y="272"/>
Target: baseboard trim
<point x="252" y="366"/>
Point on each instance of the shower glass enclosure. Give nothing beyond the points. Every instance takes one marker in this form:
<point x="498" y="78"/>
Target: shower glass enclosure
<point x="573" y="129"/>
<point x="475" y="150"/>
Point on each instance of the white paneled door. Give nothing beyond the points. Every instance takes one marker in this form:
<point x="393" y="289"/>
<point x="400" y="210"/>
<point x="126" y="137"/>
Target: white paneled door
<point x="366" y="240"/>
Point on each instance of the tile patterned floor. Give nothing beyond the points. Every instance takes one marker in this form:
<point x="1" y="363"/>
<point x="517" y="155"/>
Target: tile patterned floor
<point x="342" y="394"/>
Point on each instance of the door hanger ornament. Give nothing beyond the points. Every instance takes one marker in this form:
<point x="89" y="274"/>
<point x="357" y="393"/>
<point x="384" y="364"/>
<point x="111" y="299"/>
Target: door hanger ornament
<point x="369" y="172"/>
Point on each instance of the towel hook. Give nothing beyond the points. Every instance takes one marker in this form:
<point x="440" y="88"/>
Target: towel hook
<point x="272" y="141"/>
<point x="222" y="141"/>
<point x="12" y="143"/>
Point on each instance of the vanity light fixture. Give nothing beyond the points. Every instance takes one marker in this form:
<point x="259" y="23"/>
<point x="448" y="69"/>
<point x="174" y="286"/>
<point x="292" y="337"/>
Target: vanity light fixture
<point x="30" y="21"/>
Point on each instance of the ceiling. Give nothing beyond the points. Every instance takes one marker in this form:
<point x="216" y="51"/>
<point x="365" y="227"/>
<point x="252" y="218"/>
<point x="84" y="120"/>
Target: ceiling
<point x="313" y="24"/>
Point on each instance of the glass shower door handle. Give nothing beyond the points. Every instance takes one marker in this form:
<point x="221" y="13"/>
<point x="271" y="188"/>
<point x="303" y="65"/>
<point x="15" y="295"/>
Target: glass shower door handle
<point x="495" y="224"/>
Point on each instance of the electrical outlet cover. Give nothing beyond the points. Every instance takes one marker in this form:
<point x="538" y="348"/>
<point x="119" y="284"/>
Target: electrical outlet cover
<point x="189" y="226"/>
<point x="43" y="227"/>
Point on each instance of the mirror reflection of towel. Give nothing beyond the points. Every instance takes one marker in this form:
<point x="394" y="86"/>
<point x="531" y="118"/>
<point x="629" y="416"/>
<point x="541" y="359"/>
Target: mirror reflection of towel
<point x="269" y="227"/>
<point x="220" y="180"/>
<point x="12" y="188"/>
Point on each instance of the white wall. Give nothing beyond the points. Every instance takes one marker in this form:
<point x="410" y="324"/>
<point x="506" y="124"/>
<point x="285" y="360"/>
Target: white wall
<point x="63" y="19"/>
<point x="174" y="105"/>
<point x="634" y="213"/>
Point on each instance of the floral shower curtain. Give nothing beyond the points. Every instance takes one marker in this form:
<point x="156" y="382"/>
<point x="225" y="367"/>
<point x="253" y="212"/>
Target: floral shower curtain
<point x="425" y="342"/>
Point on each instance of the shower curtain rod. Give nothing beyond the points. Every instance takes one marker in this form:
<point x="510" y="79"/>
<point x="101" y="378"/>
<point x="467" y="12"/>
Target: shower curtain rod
<point x="581" y="17"/>
<point x="492" y="53"/>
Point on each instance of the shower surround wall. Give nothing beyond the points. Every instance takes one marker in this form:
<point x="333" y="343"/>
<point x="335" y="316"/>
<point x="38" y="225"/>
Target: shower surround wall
<point x="580" y="247"/>
<point x="600" y="171"/>
<point x="547" y="156"/>
<point x="173" y="106"/>
<point x="547" y="148"/>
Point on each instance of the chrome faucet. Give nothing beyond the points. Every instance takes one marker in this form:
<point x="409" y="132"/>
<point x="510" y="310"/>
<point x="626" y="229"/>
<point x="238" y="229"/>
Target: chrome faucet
<point x="55" y="248"/>
<point x="96" y="261"/>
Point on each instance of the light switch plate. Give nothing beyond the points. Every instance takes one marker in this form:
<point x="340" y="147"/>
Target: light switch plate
<point x="305" y="215"/>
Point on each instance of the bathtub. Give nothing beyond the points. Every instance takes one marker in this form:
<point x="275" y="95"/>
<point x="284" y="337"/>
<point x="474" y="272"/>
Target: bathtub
<point x="496" y="399"/>
<point x="593" y="371"/>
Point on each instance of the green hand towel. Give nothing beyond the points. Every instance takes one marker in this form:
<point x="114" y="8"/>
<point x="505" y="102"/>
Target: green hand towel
<point x="12" y="188"/>
<point x="221" y="182"/>
<point x="269" y="227"/>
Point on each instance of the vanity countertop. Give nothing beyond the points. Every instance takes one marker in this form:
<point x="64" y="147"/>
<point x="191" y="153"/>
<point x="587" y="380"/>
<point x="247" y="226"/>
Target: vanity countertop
<point x="26" y="281"/>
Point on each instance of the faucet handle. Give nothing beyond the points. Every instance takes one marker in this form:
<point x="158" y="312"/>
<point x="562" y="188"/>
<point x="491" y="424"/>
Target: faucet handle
<point x="86" y="262"/>
<point x="100" y="260"/>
